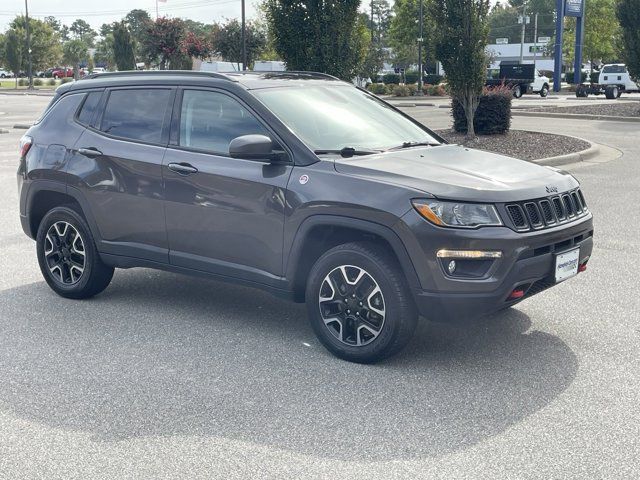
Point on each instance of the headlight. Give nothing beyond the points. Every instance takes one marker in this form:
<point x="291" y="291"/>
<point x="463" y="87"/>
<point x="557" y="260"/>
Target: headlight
<point x="460" y="215"/>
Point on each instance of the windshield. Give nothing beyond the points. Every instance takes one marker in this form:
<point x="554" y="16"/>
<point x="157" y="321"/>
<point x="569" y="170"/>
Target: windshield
<point x="332" y="118"/>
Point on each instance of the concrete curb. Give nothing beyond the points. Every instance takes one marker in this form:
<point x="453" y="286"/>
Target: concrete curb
<point x="4" y="130"/>
<point x="37" y="93"/>
<point x="576" y="116"/>
<point x="575" y="157"/>
<point x="22" y="126"/>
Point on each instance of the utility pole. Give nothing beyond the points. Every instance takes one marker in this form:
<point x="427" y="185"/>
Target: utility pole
<point x="244" y="38"/>
<point x="420" y="40"/>
<point x="372" y="23"/>
<point x="535" y="40"/>
<point x="29" y="72"/>
<point x="524" y="23"/>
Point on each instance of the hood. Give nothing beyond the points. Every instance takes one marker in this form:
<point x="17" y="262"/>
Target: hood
<point x="460" y="173"/>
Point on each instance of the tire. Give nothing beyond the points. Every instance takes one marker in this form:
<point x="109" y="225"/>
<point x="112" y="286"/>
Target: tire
<point x="517" y="91"/>
<point x="544" y="91"/>
<point x="611" y="92"/>
<point x="71" y="267"/>
<point x="381" y="296"/>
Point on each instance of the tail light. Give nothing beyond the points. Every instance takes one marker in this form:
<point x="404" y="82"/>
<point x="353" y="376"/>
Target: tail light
<point x="25" y="144"/>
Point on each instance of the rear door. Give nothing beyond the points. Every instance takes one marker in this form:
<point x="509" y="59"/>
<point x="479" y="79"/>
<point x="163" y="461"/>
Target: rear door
<point x="224" y="215"/>
<point x="118" y="168"/>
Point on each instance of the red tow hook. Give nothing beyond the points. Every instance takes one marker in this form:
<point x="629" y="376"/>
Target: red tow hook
<point x="517" y="293"/>
<point x="582" y="267"/>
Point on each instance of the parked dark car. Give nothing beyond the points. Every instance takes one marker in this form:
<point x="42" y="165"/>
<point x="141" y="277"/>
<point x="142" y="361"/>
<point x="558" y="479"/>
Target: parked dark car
<point x="299" y="184"/>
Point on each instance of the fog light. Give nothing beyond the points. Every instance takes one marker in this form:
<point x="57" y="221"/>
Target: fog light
<point x="452" y="267"/>
<point x="468" y="254"/>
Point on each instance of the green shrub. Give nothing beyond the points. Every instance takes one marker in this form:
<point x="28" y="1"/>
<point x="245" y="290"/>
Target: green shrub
<point x="411" y="76"/>
<point x="51" y="81"/>
<point x="66" y="80"/>
<point x="37" y="82"/>
<point x="401" y="91"/>
<point x="413" y="88"/>
<point x="432" y="79"/>
<point x="377" y="88"/>
<point x="23" y="82"/>
<point x="492" y="116"/>
<point x="391" y="78"/>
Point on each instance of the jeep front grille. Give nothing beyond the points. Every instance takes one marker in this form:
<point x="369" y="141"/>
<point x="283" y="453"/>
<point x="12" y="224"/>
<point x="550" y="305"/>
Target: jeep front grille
<point x="547" y="212"/>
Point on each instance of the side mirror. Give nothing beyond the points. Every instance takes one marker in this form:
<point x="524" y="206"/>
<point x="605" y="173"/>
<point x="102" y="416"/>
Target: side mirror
<point x="253" y="147"/>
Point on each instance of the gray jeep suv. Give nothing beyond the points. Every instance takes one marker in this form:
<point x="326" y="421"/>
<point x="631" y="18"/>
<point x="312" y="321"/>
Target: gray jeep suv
<point x="299" y="184"/>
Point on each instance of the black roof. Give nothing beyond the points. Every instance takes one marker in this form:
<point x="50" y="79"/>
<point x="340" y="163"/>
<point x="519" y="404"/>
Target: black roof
<point x="249" y="79"/>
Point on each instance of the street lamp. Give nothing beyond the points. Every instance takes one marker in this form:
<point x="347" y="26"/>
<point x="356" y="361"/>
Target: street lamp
<point x="29" y="72"/>
<point x="420" y="40"/>
<point x="244" y="38"/>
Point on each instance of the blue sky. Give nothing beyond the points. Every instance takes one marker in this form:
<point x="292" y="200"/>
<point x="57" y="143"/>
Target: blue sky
<point x="99" y="12"/>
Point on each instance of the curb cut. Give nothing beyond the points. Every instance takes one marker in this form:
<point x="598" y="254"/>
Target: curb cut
<point x="576" y="116"/>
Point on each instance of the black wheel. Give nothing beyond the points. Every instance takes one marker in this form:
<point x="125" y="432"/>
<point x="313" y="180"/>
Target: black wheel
<point x="544" y="91"/>
<point x="359" y="303"/>
<point x="611" y="92"/>
<point x="68" y="257"/>
<point x="517" y="91"/>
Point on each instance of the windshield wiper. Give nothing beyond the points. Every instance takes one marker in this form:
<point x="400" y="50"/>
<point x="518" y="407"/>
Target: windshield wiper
<point x="415" y="144"/>
<point x="347" y="152"/>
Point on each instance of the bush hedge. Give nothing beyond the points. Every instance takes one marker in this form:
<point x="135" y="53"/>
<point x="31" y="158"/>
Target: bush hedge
<point x="377" y="88"/>
<point x="492" y="116"/>
<point x="66" y="79"/>
<point x="37" y="82"/>
<point x="401" y="91"/>
<point x="391" y="79"/>
<point x="23" y="82"/>
<point x="51" y="81"/>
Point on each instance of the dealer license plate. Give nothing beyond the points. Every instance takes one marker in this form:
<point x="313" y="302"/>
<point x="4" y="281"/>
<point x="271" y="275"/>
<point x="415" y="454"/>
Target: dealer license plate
<point x="567" y="264"/>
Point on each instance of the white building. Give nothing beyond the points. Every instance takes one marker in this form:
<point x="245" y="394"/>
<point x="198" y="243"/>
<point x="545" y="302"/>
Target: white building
<point x="510" y="52"/>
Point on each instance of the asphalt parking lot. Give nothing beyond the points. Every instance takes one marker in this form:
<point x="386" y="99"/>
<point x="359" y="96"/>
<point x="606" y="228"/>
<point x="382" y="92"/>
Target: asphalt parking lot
<point x="165" y="376"/>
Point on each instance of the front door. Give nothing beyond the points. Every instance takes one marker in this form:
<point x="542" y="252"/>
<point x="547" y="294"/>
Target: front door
<point x="224" y="215"/>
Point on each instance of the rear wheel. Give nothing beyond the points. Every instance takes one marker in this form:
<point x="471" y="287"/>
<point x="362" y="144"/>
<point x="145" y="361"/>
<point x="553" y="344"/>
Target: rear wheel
<point x="517" y="91"/>
<point x="612" y="92"/>
<point x="68" y="257"/>
<point x="359" y="303"/>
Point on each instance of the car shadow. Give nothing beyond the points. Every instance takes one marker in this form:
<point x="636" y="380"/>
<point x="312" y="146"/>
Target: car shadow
<point x="159" y="354"/>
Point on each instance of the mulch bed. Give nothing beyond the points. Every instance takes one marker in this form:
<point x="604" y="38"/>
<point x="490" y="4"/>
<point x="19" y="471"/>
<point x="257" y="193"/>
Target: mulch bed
<point x="519" y="143"/>
<point x="614" y="109"/>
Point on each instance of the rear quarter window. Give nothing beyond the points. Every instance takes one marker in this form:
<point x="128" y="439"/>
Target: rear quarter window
<point x="136" y="114"/>
<point x="88" y="108"/>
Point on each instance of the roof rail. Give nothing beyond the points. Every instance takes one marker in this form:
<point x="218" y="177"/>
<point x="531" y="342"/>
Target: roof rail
<point x="293" y="73"/>
<point x="125" y="73"/>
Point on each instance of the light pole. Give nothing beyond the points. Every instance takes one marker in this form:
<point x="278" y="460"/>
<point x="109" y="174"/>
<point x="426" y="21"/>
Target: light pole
<point x="29" y="72"/>
<point x="524" y="24"/>
<point x="244" y="38"/>
<point x="420" y="40"/>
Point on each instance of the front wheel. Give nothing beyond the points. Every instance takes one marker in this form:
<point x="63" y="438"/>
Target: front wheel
<point x="359" y="303"/>
<point x="544" y="91"/>
<point x="67" y="255"/>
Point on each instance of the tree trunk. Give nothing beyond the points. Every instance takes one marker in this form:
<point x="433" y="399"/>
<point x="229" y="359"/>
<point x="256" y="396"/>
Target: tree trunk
<point x="469" y="111"/>
<point x="75" y="71"/>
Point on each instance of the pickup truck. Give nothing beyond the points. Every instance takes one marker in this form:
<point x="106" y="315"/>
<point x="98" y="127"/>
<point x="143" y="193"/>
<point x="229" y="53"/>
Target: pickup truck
<point x="613" y="80"/>
<point x="521" y="78"/>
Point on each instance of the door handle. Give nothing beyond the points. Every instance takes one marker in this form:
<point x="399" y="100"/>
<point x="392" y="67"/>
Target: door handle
<point x="182" y="168"/>
<point x="91" y="152"/>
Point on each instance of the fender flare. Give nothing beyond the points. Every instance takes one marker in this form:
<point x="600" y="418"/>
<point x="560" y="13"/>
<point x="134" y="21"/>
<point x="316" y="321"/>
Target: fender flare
<point x="38" y="186"/>
<point x="365" y="226"/>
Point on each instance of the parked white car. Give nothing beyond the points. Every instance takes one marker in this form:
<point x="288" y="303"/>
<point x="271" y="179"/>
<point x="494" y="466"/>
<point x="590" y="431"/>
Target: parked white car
<point x="5" y="74"/>
<point x="98" y="70"/>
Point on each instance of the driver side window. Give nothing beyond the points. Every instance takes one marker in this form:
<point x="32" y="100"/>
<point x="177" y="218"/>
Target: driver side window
<point x="210" y="120"/>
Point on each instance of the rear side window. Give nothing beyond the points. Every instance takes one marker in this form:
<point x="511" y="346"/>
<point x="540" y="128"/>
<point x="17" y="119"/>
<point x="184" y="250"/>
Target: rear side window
<point x="88" y="108"/>
<point x="210" y="120"/>
<point x="136" y="114"/>
<point x="614" y="69"/>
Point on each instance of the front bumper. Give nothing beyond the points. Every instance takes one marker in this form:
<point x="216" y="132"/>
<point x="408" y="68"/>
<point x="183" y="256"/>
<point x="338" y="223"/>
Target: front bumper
<point x="527" y="264"/>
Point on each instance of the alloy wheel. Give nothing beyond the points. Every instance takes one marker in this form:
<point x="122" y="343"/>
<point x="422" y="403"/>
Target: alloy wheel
<point x="352" y="305"/>
<point x="64" y="253"/>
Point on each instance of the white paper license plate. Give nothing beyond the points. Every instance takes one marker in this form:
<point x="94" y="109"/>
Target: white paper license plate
<point x="567" y="264"/>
